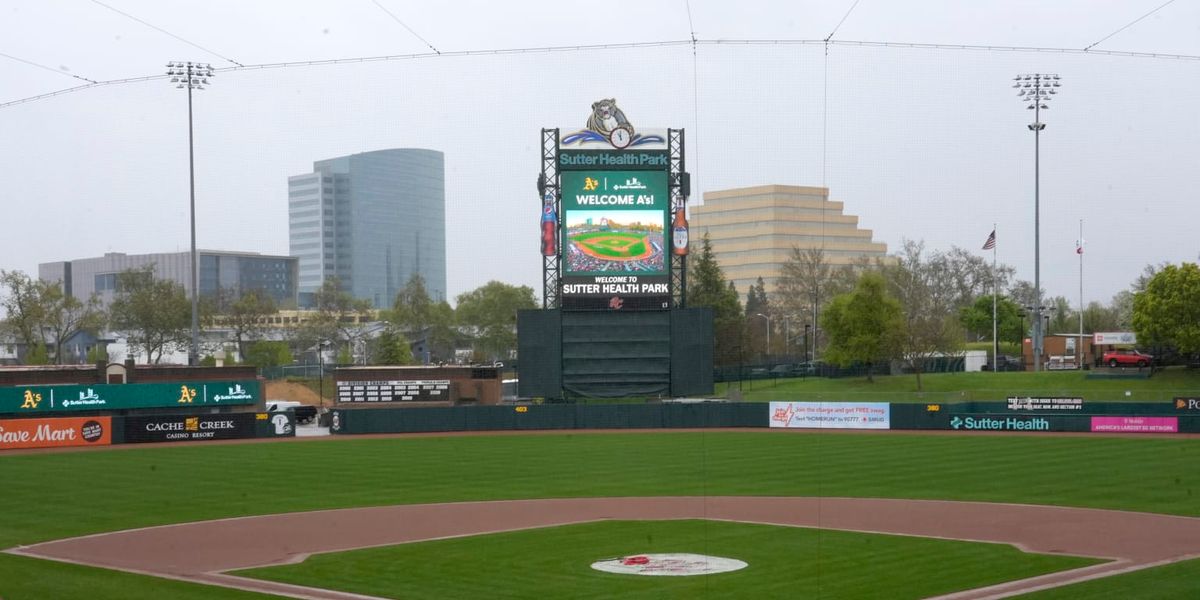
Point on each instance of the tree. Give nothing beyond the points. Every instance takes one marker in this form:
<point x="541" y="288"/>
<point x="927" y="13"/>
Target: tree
<point x="154" y="314"/>
<point x="490" y="312"/>
<point x="977" y="319"/>
<point x="1023" y="293"/>
<point x="964" y="276"/>
<point x="338" y="319"/>
<point x="267" y="354"/>
<point x="707" y="288"/>
<point x="417" y="317"/>
<point x="1167" y="310"/>
<point x="22" y="302"/>
<point x="807" y="281"/>
<point x="391" y="348"/>
<point x="1063" y="318"/>
<point x="98" y="353"/>
<point x="1097" y="317"/>
<point x="412" y="309"/>
<point x="37" y="355"/>
<point x="66" y="315"/>
<point x="863" y="325"/>
<point x="929" y="324"/>
<point x="246" y="315"/>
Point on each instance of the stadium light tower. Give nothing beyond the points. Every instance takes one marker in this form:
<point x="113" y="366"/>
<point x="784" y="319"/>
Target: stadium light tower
<point x="192" y="76"/>
<point x="1036" y="90"/>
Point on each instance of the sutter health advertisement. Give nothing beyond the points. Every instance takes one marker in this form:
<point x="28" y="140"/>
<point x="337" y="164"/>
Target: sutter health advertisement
<point x="831" y="415"/>
<point x="615" y="254"/>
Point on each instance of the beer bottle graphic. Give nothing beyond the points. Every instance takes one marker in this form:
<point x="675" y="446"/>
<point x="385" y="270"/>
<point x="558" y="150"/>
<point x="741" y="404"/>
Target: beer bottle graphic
<point x="679" y="233"/>
<point x="549" y="225"/>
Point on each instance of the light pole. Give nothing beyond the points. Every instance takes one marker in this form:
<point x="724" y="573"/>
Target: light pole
<point x="190" y="76"/>
<point x="768" y="354"/>
<point x="806" y="328"/>
<point x="321" y="373"/>
<point x="786" y="350"/>
<point x="1036" y="90"/>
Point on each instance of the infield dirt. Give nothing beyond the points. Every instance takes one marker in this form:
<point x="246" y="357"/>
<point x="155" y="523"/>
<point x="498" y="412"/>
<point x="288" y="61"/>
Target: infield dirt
<point x="203" y="551"/>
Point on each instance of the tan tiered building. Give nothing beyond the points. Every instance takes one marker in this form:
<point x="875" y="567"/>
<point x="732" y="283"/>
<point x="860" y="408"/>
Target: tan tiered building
<point x="754" y="229"/>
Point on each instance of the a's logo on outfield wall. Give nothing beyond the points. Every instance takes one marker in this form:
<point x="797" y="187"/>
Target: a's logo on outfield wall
<point x="676" y="564"/>
<point x="31" y="400"/>
<point x="186" y="394"/>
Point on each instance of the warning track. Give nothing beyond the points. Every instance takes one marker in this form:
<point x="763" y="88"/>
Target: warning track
<point x="201" y="552"/>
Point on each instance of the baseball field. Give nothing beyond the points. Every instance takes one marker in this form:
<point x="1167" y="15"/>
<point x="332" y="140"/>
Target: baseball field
<point x="612" y="245"/>
<point x="819" y="514"/>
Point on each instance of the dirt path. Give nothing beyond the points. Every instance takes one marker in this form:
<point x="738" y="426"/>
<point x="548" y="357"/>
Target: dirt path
<point x="201" y="551"/>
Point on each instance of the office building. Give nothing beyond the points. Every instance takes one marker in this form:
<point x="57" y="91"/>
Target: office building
<point x="234" y="272"/>
<point x="371" y="220"/>
<point x="753" y="231"/>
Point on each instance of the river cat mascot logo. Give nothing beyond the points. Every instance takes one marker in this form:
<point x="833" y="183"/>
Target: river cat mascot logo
<point x="608" y="125"/>
<point x="606" y="118"/>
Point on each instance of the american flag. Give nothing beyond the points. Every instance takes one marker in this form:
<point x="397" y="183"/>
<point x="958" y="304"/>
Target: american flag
<point x="991" y="241"/>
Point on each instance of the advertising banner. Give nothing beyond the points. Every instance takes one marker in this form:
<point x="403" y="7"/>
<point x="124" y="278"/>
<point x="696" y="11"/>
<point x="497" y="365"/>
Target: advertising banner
<point x="1051" y="404"/>
<point x="40" y="399"/>
<point x="1007" y="423"/>
<point x="55" y="433"/>
<point x="1135" y="424"/>
<point x="831" y="415"/>
<point x="1188" y="404"/>
<point x="614" y="252"/>
<point x="394" y="391"/>
<point x="1114" y="337"/>
<point x="275" y="424"/>
<point x="187" y="428"/>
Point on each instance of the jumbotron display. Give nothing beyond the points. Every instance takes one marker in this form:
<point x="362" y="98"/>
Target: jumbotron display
<point x="613" y="239"/>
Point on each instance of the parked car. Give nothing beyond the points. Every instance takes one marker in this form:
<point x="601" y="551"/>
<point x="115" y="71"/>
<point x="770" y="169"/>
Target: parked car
<point x="1127" y="358"/>
<point x="1005" y="362"/>
<point x="304" y="413"/>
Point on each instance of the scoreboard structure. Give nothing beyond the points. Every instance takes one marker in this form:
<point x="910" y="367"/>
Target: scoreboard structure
<point x="614" y="244"/>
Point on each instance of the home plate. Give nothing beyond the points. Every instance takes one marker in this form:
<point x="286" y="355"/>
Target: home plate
<point x="668" y="564"/>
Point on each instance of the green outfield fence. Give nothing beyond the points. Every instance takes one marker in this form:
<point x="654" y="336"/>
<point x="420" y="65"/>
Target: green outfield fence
<point x="914" y="416"/>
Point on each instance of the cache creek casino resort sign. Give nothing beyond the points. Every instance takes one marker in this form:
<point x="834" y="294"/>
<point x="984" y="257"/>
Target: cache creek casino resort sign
<point x="614" y="215"/>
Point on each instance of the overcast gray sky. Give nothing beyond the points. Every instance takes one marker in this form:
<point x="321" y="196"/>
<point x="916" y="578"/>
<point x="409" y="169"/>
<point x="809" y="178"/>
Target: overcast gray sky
<point x="921" y="143"/>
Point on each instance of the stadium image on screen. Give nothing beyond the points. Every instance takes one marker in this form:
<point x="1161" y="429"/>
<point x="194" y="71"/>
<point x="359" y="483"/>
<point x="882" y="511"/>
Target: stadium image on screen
<point x="607" y="241"/>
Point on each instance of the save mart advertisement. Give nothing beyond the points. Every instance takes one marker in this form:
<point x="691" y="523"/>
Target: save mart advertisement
<point x="615" y="253"/>
<point x="55" y="433"/>
<point x="40" y="399"/>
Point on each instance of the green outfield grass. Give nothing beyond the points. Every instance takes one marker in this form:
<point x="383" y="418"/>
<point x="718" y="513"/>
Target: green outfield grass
<point x="783" y="562"/>
<point x="24" y="578"/>
<point x="1179" y="581"/>
<point x="59" y="494"/>
<point x="963" y="387"/>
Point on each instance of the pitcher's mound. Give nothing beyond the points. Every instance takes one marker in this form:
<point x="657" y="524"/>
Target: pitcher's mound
<point x="668" y="564"/>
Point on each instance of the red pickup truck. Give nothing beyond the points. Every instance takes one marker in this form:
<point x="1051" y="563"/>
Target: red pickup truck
<point x="1127" y="358"/>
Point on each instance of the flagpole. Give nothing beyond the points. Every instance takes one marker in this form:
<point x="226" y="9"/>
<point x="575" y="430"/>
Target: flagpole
<point x="1080" y="251"/>
<point x="995" y="339"/>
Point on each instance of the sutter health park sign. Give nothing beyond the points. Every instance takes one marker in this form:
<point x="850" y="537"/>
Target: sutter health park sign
<point x="40" y="399"/>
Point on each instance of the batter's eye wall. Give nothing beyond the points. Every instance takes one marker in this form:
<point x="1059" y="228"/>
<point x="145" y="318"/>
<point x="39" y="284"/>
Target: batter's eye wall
<point x="615" y="354"/>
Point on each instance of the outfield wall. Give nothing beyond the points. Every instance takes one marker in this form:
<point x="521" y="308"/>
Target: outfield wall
<point x="1102" y="417"/>
<point x="180" y="426"/>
